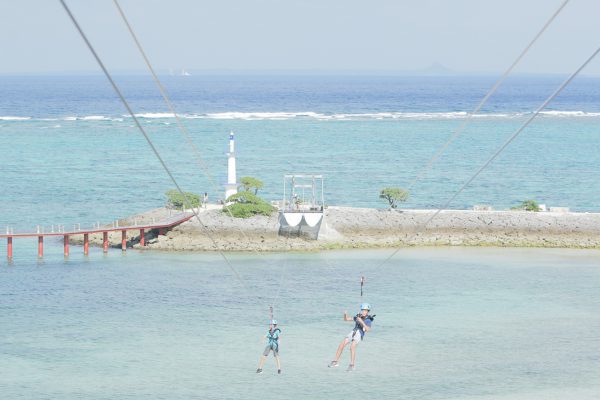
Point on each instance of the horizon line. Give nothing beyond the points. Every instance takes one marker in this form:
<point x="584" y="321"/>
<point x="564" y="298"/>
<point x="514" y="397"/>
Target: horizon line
<point x="289" y="72"/>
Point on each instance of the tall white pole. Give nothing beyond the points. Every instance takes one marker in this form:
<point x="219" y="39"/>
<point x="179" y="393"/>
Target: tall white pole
<point x="231" y="185"/>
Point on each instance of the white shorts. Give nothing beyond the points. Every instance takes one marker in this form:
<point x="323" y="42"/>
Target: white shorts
<point x="357" y="338"/>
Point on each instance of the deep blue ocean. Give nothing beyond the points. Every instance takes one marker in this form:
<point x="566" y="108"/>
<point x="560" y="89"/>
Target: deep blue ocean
<point x="452" y="323"/>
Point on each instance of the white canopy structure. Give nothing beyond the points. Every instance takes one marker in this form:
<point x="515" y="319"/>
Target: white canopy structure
<point x="301" y="211"/>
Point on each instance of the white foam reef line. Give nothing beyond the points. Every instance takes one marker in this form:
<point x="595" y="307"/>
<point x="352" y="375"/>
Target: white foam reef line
<point x="285" y="115"/>
<point x="11" y="118"/>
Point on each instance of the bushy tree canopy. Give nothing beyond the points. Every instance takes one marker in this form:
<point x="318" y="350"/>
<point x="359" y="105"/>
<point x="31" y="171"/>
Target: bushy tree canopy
<point x="246" y="204"/>
<point x="248" y="183"/>
<point x="393" y="195"/>
<point x="177" y="200"/>
<point x="527" y="205"/>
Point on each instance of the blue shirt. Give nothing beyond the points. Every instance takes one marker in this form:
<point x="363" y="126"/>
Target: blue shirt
<point x="359" y="327"/>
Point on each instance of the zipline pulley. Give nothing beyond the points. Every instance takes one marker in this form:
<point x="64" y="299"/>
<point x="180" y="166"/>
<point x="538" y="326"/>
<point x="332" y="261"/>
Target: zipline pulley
<point x="362" y="283"/>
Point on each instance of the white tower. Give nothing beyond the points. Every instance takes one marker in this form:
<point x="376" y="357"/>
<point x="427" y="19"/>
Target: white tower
<point x="231" y="185"/>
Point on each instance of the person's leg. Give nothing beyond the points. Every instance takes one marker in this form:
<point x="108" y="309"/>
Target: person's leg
<point x="261" y="362"/>
<point x="277" y="361"/>
<point x="353" y="352"/>
<point x="263" y="358"/>
<point x="340" y="349"/>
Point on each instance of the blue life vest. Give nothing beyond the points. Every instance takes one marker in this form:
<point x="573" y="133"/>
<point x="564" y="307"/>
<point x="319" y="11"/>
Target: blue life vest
<point x="273" y="338"/>
<point x="358" y="328"/>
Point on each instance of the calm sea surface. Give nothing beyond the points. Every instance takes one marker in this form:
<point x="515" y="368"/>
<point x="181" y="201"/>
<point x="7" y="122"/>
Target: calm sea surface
<point x="451" y="323"/>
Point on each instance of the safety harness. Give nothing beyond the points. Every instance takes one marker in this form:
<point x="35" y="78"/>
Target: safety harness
<point x="273" y="338"/>
<point x="358" y="326"/>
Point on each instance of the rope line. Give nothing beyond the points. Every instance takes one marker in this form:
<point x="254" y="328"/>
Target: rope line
<point x="500" y="149"/>
<point x="421" y="174"/>
<point x="186" y="133"/>
<point x="362" y="283"/>
<point x="166" y="98"/>
<point x="145" y="134"/>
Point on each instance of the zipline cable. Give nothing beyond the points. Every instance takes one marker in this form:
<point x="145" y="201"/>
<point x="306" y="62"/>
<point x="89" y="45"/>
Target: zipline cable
<point x="281" y="278"/>
<point x="189" y="140"/>
<point x="166" y="98"/>
<point x="501" y="148"/>
<point x="421" y="174"/>
<point x="148" y="140"/>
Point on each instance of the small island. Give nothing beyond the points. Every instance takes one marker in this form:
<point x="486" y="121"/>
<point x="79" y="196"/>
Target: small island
<point x="243" y="221"/>
<point x="350" y="227"/>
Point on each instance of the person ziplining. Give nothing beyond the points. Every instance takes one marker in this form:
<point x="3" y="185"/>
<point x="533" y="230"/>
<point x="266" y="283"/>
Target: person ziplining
<point x="362" y="324"/>
<point x="273" y="339"/>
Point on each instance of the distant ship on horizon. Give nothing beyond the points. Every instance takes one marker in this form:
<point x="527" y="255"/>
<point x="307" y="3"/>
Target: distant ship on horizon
<point x="183" y="72"/>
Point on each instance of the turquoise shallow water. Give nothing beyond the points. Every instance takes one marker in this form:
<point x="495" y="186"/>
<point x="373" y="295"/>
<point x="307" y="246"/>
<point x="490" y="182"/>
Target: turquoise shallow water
<point x="73" y="158"/>
<point x="87" y="171"/>
<point x="451" y="324"/>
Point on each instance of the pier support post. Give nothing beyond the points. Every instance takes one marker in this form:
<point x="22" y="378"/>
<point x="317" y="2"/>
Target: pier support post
<point x="40" y="246"/>
<point x="66" y="245"/>
<point x="9" y="247"/>
<point x="86" y="244"/>
<point x="105" y="242"/>
<point x="142" y="238"/>
<point x="123" y="240"/>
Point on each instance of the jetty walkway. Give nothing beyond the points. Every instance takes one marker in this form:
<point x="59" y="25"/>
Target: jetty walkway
<point x="161" y="226"/>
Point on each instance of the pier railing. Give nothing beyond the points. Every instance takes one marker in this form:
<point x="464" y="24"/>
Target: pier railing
<point x="76" y="229"/>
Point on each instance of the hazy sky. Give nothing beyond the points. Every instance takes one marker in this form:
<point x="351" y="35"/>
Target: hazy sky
<point x="36" y="36"/>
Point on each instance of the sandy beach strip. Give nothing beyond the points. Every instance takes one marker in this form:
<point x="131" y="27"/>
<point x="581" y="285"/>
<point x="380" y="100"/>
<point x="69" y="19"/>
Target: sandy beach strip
<point x="349" y="227"/>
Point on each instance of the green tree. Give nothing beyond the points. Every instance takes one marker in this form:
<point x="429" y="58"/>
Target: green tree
<point x="177" y="200"/>
<point x="527" y="205"/>
<point x="246" y="204"/>
<point x="244" y="198"/>
<point x="393" y="195"/>
<point x="248" y="183"/>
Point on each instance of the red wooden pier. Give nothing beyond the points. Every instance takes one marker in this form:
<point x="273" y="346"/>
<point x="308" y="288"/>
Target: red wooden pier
<point x="162" y="227"/>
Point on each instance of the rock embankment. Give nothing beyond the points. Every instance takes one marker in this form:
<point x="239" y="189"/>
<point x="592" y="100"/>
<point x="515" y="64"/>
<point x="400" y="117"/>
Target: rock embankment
<point x="346" y="227"/>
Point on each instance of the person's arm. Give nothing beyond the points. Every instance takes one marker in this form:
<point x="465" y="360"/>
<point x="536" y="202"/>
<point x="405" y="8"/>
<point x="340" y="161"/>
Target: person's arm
<point x="365" y="327"/>
<point x="347" y="318"/>
<point x="266" y="337"/>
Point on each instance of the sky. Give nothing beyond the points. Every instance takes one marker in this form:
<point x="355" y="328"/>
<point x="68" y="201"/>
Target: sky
<point x="384" y="36"/>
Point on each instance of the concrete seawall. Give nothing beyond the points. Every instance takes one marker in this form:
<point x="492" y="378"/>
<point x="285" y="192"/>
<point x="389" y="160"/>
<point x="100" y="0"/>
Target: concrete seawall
<point x="346" y="227"/>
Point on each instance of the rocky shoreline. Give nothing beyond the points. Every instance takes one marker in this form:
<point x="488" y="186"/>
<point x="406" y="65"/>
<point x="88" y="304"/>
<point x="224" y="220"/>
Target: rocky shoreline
<point x="347" y="227"/>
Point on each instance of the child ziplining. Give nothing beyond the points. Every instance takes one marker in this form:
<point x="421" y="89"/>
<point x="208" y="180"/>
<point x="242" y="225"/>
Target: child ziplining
<point x="362" y="324"/>
<point x="272" y="337"/>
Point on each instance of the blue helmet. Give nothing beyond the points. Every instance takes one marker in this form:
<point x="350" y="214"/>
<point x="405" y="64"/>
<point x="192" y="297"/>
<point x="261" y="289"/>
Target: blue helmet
<point x="365" y="306"/>
<point x="273" y="322"/>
